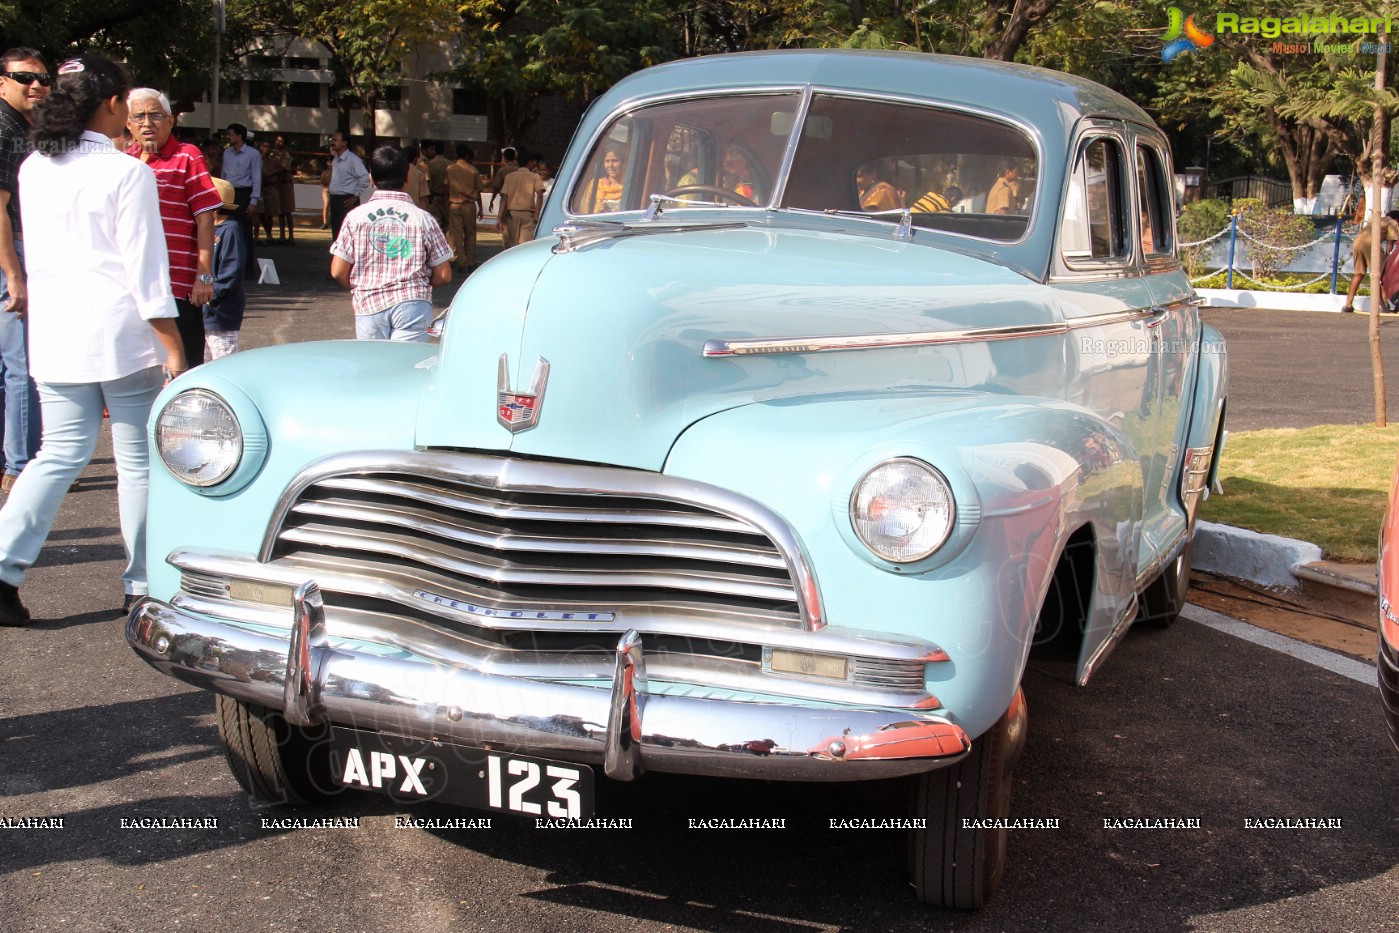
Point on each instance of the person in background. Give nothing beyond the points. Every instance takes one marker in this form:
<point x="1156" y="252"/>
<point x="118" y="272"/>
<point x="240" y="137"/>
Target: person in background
<point x="435" y="165"/>
<point x="348" y="178"/>
<point x="286" y="191"/>
<point x="325" y="193"/>
<point x="876" y="194"/>
<point x="100" y="313"/>
<point x="24" y="82"/>
<point x="1360" y="255"/>
<point x="463" y="207"/>
<point x="416" y="185"/>
<point x="509" y="163"/>
<point x="390" y="254"/>
<point x="242" y="168"/>
<point x="1004" y="196"/>
<point x="223" y="315"/>
<point x="271" y="205"/>
<point x="520" y="197"/>
<point x="187" y="203"/>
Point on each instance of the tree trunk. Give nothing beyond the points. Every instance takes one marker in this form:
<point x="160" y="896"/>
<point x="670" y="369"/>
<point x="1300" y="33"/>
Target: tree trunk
<point x="1014" y="25"/>
<point x="1379" y="143"/>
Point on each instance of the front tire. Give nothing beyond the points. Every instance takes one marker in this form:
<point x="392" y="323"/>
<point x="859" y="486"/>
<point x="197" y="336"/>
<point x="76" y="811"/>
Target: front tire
<point x="272" y="760"/>
<point x="1164" y="598"/>
<point x="954" y="867"/>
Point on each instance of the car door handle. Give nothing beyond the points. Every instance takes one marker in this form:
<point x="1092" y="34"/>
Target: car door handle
<point x="1158" y="316"/>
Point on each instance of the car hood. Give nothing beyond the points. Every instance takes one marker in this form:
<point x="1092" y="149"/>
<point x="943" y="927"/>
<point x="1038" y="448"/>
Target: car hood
<point x="623" y="323"/>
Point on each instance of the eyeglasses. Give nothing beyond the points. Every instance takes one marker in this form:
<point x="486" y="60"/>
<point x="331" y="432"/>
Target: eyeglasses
<point x="153" y="116"/>
<point x="29" y="77"/>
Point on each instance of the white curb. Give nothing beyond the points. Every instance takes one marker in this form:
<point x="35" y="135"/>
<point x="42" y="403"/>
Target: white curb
<point x="1269" y="560"/>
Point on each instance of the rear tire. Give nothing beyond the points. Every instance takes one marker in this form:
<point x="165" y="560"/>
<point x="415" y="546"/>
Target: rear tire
<point x="1164" y="598"/>
<point x="272" y="760"/>
<point x="954" y="867"/>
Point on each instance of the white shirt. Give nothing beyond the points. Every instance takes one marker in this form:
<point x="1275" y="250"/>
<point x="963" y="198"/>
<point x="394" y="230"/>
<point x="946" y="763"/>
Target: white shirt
<point x="97" y="263"/>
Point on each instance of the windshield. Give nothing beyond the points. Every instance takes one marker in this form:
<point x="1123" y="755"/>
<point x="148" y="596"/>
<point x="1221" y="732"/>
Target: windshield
<point x="953" y="171"/>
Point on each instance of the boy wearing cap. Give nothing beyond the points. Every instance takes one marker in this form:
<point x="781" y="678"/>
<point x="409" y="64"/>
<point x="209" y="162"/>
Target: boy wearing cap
<point x="223" y="315"/>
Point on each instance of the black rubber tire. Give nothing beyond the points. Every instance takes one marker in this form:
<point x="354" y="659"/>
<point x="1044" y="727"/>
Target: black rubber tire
<point x="272" y="760"/>
<point x="1162" y="601"/>
<point x="954" y="867"/>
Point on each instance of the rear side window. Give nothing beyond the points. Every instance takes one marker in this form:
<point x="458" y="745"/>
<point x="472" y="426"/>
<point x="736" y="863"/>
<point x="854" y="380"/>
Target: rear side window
<point x="1094" y="227"/>
<point x="1156" y="206"/>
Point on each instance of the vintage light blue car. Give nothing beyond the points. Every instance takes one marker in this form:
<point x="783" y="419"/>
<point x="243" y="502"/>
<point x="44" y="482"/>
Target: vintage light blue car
<point x="834" y="385"/>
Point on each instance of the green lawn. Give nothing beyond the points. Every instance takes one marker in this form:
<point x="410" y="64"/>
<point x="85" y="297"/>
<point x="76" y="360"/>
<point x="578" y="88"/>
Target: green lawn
<point x="1327" y="485"/>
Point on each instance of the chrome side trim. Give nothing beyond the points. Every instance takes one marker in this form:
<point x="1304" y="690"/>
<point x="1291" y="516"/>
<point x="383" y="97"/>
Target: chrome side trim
<point x="389" y="689"/>
<point x="722" y="347"/>
<point x="1109" y="643"/>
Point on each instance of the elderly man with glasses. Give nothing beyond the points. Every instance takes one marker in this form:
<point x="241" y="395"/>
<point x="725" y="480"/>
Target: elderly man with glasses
<point x="24" y="81"/>
<point x="188" y="201"/>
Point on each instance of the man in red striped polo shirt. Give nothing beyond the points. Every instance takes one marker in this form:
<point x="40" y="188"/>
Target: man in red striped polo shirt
<point x="187" y="204"/>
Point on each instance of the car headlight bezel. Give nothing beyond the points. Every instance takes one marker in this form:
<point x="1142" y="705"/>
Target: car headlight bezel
<point x="244" y="432"/>
<point x="927" y="503"/>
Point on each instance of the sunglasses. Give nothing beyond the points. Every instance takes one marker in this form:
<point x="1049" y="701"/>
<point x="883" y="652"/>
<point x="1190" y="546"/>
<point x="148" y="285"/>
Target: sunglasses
<point x="29" y="77"/>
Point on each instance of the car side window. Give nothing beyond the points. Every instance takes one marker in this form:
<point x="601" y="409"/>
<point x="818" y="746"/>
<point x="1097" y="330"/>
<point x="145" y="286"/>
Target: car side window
<point x="1094" y="226"/>
<point x="1156" y="206"/>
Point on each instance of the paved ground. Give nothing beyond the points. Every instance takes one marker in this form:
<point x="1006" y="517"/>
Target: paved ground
<point x="1304" y="368"/>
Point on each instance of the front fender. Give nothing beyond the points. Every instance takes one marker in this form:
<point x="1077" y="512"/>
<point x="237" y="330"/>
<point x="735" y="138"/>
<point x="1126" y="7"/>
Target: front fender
<point x="1026" y="473"/>
<point x="316" y="420"/>
<point x="1211" y="392"/>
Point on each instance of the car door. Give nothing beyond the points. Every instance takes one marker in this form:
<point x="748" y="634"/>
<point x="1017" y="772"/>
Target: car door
<point x="1174" y="332"/>
<point x="1110" y="311"/>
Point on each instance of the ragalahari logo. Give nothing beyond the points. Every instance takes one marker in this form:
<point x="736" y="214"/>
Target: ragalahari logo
<point x="1193" y="38"/>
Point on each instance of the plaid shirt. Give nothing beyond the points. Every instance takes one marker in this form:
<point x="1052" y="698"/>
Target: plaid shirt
<point x="393" y="245"/>
<point x="182" y="178"/>
<point x="14" y="146"/>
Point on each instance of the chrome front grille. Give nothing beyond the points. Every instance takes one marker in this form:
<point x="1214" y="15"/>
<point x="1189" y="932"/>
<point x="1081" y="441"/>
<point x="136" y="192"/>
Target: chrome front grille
<point x="535" y="536"/>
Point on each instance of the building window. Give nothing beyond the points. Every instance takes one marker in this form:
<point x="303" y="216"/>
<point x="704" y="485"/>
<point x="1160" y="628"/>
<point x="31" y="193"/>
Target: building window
<point x="303" y="64"/>
<point x="265" y="93"/>
<point x="391" y="98"/>
<point x="468" y="102"/>
<point x="303" y="94"/>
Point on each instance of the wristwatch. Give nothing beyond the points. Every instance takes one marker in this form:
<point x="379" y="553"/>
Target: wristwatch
<point x="206" y="279"/>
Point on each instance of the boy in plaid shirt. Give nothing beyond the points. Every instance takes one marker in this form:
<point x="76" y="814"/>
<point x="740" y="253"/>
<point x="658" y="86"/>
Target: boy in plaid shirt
<point x="390" y="254"/>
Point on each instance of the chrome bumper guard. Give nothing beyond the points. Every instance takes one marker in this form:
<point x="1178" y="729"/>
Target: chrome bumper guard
<point x="625" y="729"/>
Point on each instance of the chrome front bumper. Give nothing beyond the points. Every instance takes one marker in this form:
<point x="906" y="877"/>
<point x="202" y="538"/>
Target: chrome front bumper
<point x="434" y="696"/>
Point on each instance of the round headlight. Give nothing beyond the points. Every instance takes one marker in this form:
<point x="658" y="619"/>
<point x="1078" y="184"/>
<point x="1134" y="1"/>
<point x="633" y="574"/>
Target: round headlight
<point x="902" y="510"/>
<point x="198" y="438"/>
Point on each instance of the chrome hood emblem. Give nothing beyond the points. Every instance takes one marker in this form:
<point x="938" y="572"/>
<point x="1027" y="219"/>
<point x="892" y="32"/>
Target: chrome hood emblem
<point x="519" y="411"/>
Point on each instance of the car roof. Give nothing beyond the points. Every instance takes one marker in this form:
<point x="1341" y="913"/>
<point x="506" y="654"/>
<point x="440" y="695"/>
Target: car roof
<point x="1035" y="96"/>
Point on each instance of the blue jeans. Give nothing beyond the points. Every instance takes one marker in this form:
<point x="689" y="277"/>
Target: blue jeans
<point x="407" y="320"/>
<point x="72" y="424"/>
<point x="21" y="422"/>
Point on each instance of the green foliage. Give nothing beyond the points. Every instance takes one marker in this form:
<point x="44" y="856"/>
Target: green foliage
<point x="1327" y="485"/>
<point x="1200" y="220"/>
<point x="1273" y="234"/>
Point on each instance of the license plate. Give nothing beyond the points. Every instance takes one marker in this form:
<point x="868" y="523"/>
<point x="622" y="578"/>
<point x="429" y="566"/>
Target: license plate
<point x="413" y="770"/>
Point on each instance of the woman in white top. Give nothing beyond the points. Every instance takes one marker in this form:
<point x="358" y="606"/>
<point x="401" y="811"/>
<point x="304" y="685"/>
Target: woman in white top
<point x="101" y="315"/>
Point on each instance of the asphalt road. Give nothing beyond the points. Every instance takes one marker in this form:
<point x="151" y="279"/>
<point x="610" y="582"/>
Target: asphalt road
<point x="1296" y="369"/>
<point x="1187" y="724"/>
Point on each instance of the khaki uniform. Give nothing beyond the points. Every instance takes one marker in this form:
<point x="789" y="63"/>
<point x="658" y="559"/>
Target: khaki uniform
<point x="1360" y="250"/>
<point x="416" y="185"/>
<point x="463" y="199"/>
<point x="497" y="181"/>
<point x="437" y="188"/>
<point x="521" y="190"/>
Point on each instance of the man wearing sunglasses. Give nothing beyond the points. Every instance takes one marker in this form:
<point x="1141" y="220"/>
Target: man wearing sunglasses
<point x="24" y="81"/>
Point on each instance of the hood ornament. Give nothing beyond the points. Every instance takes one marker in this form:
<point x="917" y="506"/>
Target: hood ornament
<point x="519" y="411"/>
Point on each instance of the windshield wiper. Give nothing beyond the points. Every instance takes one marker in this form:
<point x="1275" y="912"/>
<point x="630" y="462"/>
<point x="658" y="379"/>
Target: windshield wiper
<point x="585" y="233"/>
<point x="904" y="231"/>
